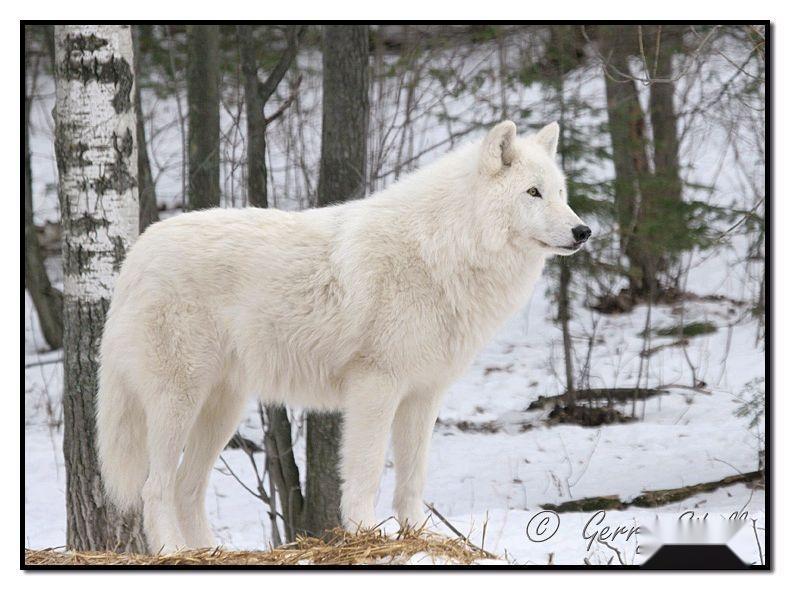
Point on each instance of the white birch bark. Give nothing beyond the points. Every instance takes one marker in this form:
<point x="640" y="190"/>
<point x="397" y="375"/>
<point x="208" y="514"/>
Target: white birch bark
<point x="97" y="153"/>
<point x="97" y="169"/>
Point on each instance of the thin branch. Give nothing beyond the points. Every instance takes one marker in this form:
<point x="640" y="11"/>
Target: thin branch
<point x="447" y="523"/>
<point x="284" y="106"/>
<point x="621" y="76"/>
<point x="615" y="549"/>
<point x="263" y="496"/>
<point x="757" y="538"/>
<point x="244" y="485"/>
<point x="44" y="362"/>
<point x="267" y="88"/>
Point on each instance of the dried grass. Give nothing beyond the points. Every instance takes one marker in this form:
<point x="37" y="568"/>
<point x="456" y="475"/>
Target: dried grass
<point x="339" y="548"/>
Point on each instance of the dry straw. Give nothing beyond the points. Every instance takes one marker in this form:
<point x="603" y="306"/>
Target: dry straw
<point x="339" y="548"/>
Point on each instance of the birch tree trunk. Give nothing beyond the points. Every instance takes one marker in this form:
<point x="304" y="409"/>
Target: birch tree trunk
<point x="203" y="98"/>
<point x="342" y="177"/>
<point x="97" y="168"/>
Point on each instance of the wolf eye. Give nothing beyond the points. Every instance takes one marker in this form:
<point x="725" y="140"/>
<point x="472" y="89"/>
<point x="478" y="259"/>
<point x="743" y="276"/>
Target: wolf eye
<point x="534" y="192"/>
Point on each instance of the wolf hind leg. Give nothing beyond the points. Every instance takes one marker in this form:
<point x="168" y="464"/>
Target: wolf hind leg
<point x="218" y="419"/>
<point x="169" y="422"/>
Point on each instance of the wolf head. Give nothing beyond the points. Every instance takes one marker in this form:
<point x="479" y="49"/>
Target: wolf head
<point x="521" y="191"/>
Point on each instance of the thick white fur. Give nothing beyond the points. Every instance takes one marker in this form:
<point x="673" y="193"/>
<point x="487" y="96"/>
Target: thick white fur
<point x="373" y="307"/>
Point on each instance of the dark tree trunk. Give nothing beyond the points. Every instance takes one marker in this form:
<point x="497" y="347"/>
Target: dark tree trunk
<point x="344" y="121"/>
<point x="629" y="155"/>
<point x="663" y="118"/>
<point x="93" y="524"/>
<point x="564" y="299"/>
<point x="322" y="490"/>
<point x="203" y="98"/>
<point x="47" y="300"/>
<point x="342" y="177"/>
<point x="668" y="229"/>
<point x="256" y="122"/>
<point x="564" y="313"/>
<point x="283" y="469"/>
<point x="97" y="183"/>
<point x="257" y="94"/>
<point x="564" y="55"/>
<point x="148" y="210"/>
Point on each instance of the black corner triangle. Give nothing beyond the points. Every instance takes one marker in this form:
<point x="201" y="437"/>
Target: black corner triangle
<point x="694" y="557"/>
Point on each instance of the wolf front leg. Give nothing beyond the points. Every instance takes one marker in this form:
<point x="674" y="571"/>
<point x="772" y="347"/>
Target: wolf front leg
<point x="411" y="437"/>
<point x="370" y="403"/>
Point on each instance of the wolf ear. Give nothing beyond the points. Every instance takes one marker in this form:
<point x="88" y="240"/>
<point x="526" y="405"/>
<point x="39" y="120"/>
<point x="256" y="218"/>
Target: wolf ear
<point x="548" y="137"/>
<point x="498" y="150"/>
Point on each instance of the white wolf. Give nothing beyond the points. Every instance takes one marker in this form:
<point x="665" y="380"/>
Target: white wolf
<point x="372" y="307"/>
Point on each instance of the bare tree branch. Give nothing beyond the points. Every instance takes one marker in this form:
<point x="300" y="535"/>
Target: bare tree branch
<point x="267" y="87"/>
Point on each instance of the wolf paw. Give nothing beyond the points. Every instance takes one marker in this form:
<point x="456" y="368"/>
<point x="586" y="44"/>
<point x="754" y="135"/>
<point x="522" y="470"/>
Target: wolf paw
<point x="413" y="516"/>
<point x="359" y="519"/>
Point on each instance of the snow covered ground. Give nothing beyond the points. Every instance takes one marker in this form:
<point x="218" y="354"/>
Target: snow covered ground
<point x="493" y="464"/>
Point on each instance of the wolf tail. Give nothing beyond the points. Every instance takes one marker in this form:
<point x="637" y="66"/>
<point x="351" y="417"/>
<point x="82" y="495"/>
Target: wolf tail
<point x="121" y="434"/>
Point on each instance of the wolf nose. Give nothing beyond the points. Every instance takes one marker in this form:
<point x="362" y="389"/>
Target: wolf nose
<point x="581" y="233"/>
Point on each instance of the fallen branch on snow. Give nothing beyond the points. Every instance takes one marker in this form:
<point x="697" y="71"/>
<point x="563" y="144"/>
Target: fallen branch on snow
<point x="652" y="498"/>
